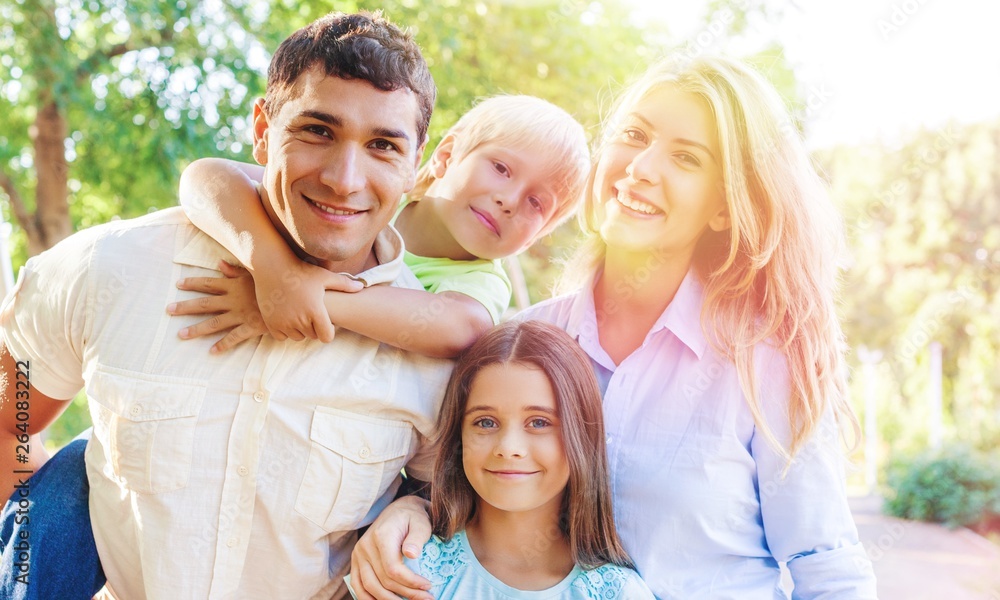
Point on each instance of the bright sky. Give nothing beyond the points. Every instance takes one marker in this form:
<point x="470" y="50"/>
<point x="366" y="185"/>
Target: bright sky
<point x="876" y="67"/>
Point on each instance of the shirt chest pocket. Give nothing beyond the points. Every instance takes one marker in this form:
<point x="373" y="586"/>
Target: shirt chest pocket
<point x="146" y="427"/>
<point x="352" y="461"/>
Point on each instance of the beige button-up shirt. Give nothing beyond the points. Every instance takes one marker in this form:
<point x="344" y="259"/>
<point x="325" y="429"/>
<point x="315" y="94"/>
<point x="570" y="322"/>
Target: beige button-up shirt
<point x="240" y="475"/>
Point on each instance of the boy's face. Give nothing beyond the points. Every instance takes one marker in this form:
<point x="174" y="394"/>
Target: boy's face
<point x="338" y="156"/>
<point x="492" y="200"/>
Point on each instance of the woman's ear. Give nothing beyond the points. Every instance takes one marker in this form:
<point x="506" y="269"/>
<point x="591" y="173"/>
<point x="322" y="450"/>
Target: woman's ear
<point x="720" y="221"/>
<point x="442" y="156"/>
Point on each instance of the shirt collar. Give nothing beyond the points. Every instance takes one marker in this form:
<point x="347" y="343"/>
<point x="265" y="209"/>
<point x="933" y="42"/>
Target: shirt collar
<point x="682" y="317"/>
<point x="202" y="251"/>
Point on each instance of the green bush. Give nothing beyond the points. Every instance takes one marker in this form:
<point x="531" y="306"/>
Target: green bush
<point x="955" y="485"/>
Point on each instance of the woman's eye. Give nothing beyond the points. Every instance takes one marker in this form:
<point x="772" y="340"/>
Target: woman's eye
<point x="485" y="423"/>
<point x="636" y="135"/>
<point x="689" y="159"/>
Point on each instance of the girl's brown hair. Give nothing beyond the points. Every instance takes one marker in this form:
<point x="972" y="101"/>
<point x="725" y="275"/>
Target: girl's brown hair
<point x="587" y="519"/>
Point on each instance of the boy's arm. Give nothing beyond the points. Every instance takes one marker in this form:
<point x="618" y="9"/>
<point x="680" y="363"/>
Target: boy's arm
<point x="439" y="325"/>
<point x="221" y="199"/>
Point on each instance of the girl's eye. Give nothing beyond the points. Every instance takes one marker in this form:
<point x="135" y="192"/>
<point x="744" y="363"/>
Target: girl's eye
<point x="538" y="423"/>
<point x="485" y="423"/>
<point x="536" y="203"/>
<point x="501" y="168"/>
<point x="635" y="135"/>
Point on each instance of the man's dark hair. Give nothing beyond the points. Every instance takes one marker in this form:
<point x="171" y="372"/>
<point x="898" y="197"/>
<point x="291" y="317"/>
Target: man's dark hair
<point x="353" y="46"/>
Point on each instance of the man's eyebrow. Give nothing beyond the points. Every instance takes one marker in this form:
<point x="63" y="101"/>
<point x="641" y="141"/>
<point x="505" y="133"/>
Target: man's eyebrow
<point x="336" y="121"/>
<point x="684" y="141"/>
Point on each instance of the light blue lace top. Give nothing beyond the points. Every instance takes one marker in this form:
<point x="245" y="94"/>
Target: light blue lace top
<point x="454" y="572"/>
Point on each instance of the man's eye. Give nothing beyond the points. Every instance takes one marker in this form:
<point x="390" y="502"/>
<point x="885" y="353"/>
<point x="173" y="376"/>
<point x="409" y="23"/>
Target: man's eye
<point x="317" y="129"/>
<point x="383" y="145"/>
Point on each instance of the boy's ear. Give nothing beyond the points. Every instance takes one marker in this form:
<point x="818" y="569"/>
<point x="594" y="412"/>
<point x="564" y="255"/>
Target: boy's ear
<point x="442" y="156"/>
<point x="412" y="181"/>
<point x="260" y="125"/>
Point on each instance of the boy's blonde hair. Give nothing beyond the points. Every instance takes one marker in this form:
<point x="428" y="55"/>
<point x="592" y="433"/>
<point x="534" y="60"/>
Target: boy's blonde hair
<point x="524" y="123"/>
<point x="772" y="276"/>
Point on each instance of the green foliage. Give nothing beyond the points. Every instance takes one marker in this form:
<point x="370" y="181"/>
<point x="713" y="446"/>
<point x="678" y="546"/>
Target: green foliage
<point x="955" y="486"/>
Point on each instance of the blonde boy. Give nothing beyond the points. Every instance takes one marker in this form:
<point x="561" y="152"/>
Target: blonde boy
<point x="506" y="174"/>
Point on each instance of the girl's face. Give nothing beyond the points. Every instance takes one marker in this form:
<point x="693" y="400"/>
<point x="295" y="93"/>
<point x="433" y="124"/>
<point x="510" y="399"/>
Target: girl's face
<point x="659" y="181"/>
<point x="512" y="446"/>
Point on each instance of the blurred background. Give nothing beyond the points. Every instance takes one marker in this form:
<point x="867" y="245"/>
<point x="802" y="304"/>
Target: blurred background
<point x="103" y="103"/>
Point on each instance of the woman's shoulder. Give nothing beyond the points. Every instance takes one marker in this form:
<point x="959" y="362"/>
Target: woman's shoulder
<point x="611" y="581"/>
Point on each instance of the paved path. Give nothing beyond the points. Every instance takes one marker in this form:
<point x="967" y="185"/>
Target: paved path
<point x="922" y="561"/>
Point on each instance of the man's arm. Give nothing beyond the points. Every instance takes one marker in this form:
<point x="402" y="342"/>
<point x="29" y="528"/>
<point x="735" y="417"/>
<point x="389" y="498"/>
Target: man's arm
<point x="24" y="413"/>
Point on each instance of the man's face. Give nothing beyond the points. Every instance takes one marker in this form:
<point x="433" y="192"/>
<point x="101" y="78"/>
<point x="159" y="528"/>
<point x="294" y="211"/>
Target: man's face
<point x="338" y="155"/>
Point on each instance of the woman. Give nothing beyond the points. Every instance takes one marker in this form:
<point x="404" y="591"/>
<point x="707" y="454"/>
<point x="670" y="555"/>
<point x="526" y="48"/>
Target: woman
<point x="707" y="311"/>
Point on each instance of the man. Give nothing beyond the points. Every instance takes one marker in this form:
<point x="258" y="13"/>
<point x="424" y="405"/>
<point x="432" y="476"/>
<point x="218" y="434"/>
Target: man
<point x="242" y="474"/>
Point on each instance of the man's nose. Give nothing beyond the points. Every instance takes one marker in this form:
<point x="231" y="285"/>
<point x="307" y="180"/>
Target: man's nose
<point x="343" y="173"/>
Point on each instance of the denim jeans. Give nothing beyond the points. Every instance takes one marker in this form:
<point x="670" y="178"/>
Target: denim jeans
<point x="51" y="553"/>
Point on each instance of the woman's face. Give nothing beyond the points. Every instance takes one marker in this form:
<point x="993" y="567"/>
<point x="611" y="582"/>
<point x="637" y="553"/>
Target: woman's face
<point x="658" y="182"/>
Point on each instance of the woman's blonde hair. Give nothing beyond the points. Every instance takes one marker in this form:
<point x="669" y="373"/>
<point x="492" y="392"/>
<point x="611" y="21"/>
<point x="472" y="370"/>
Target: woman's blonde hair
<point x="773" y="274"/>
<point x="524" y="123"/>
<point x="586" y="516"/>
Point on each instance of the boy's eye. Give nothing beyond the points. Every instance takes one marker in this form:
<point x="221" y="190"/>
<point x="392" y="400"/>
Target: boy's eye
<point x="501" y="168"/>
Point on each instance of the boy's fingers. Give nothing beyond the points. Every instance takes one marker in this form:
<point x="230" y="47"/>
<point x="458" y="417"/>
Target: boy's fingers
<point x="202" y="305"/>
<point x="209" y="326"/>
<point x="208" y="285"/>
<point x="237" y="335"/>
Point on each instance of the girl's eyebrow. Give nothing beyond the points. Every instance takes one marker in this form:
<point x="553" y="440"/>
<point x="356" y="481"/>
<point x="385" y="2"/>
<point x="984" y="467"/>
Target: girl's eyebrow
<point x="484" y="408"/>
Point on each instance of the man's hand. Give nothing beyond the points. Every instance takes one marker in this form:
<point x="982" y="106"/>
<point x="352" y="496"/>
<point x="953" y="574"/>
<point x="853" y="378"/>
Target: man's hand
<point x="377" y="569"/>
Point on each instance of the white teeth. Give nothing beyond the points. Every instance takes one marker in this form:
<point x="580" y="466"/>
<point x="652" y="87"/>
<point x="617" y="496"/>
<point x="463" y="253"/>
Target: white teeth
<point x="636" y="205"/>
<point x="334" y="211"/>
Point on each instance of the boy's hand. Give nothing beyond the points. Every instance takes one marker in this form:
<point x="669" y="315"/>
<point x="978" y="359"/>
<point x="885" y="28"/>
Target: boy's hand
<point x="231" y="299"/>
<point x="291" y="296"/>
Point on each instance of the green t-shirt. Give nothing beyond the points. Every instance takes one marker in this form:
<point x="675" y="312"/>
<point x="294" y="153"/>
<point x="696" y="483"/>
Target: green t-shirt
<point x="481" y="279"/>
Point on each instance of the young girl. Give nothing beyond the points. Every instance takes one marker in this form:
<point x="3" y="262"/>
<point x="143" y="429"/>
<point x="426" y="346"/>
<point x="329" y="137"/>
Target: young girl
<point x="520" y="499"/>
<point x="706" y="306"/>
<point x="506" y="174"/>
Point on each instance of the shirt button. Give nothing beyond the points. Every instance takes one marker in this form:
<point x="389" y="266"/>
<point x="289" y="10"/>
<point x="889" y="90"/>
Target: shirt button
<point x="136" y="409"/>
<point x="243" y="471"/>
<point x="609" y="439"/>
<point x="258" y="396"/>
<point x="364" y="452"/>
<point x="232" y="542"/>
